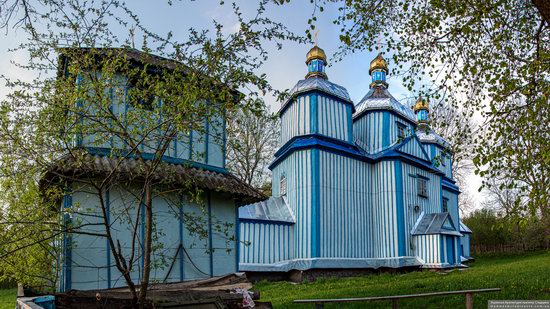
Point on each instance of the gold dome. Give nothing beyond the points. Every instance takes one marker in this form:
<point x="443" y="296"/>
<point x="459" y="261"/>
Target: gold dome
<point x="378" y="63"/>
<point x="421" y="104"/>
<point x="316" y="53"/>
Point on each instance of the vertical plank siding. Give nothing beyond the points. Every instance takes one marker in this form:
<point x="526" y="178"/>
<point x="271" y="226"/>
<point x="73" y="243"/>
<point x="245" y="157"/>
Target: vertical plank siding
<point x="92" y="263"/>
<point x="346" y="222"/>
<point x="206" y="147"/>
<point x="333" y="118"/>
<point x="298" y="171"/>
<point x="377" y="130"/>
<point x="316" y="114"/>
<point x="415" y="148"/>
<point x="264" y="243"/>
<point x="429" y="249"/>
<point x="295" y="119"/>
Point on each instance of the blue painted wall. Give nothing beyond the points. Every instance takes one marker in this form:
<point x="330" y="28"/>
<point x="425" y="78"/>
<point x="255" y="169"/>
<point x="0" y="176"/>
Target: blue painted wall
<point x="206" y="256"/>
<point x="206" y="146"/>
<point x="316" y="113"/>
<point x="377" y="129"/>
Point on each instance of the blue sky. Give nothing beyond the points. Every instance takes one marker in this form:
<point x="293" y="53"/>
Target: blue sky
<point x="284" y="67"/>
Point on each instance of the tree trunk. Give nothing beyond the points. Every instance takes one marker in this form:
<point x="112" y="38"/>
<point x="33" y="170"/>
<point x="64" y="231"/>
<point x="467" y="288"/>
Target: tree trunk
<point x="544" y="9"/>
<point x="147" y="245"/>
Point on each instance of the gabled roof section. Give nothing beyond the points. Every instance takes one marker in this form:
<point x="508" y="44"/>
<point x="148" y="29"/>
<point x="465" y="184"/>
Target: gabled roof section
<point x="464" y="228"/>
<point x="317" y="83"/>
<point x="412" y="145"/>
<point x="435" y="223"/>
<point x="380" y="98"/>
<point x="273" y="209"/>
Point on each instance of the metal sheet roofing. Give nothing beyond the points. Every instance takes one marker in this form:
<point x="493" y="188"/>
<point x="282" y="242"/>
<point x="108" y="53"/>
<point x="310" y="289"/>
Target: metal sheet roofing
<point x="430" y="136"/>
<point x="380" y="98"/>
<point x="87" y="165"/>
<point x="435" y="223"/>
<point x="272" y="209"/>
<point x="464" y="228"/>
<point x="317" y="83"/>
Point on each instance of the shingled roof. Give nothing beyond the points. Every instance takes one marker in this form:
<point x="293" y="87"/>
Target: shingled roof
<point x="71" y="166"/>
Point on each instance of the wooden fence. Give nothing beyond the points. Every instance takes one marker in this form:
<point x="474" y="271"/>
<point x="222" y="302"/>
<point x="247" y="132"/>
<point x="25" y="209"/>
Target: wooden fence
<point x="489" y="249"/>
<point x="395" y="299"/>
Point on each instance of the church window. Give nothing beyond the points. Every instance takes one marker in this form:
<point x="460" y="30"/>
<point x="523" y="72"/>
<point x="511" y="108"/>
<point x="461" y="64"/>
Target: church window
<point x="445" y="204"/>
<point x="422" y="186"/>
<point x="400" y="130"/>
<point x="282" y="188"/>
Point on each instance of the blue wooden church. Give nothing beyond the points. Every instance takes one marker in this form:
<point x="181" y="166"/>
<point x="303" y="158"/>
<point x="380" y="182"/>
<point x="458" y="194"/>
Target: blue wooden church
<point x="366" y="185"/>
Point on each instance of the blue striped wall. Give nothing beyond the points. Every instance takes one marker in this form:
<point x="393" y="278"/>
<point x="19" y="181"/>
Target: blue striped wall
<point x="262" y="242"/>
<point x="465" y="243"/>
<point x="384" y="190"/>
<point x="377" y="130"/>
<point x="93" y="265"/>
<point x="296" y="119"/>
<point x="437" y="249"/>
<point x="432" y="204"/>
<point x="415" y="148"/>
<point x="205" y="146"/>
<point x="346" y="221"/>
<point x="429" y="249"/>
<point x="445" y="165"/>
<point x="453" y="207"/>
<point x="298" y="170"/>
<point x="316" y="113"/>
<point x="334" y="118"/>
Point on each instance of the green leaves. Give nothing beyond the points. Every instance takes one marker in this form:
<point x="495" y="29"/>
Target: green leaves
<point x="486" y="57"/>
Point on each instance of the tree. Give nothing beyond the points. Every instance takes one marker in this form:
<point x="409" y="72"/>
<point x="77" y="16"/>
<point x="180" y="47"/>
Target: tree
<point x="490" y="57"/>
<point x="458" y="128"/>
<point x="253" y="137"/>
<point x="43" y="122"/>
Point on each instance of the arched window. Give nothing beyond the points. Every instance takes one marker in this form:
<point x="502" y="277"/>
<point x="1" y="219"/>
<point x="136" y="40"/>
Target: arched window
<point x="282" y="185"/>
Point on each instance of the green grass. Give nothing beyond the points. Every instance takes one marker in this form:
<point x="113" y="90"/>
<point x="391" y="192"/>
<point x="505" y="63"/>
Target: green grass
<point x="7" y="298"/>
<point x="520" y="277"/>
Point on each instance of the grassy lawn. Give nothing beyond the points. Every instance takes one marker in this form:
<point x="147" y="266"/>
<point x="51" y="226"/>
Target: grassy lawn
<point x="520" y="277"/>
<point x="7" y="298"/>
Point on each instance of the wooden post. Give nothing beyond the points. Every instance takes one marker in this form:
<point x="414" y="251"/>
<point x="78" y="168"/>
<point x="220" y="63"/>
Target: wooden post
<point x="395" y="304"/>
<point x="20" y="290"/>
<point x="469" y="301"/>
<point x="319" y="306"/>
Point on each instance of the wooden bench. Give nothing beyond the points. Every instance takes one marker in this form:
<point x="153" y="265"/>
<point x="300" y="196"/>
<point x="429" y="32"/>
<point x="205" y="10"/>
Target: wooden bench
<point x="468" y="294"/>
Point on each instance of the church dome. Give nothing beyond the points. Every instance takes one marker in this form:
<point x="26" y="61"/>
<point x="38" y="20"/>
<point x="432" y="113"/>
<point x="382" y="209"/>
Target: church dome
<point x="316" y="53"/>
<point x="378" y="63"/>
<point x="421" y="104"/>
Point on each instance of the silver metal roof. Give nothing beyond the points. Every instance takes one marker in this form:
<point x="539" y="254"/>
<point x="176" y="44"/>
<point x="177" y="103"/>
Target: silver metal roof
<point x="435" y="223"/>
<point x="464" y="228"/>
<point x="380" y="98"/>
<point x="317" y="83"/>
<point x="272" y="209"/>
<point x="430" y="136"/>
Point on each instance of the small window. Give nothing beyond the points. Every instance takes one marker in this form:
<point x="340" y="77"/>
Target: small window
<point x="445" y="204"/>
<point x="282" y="188"/>
<point x="400" y="131"/>
<point x="422" y="184"/>
<point x="444" y="159"/>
